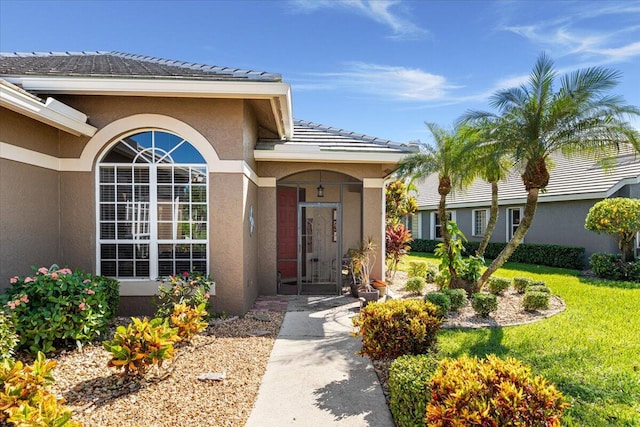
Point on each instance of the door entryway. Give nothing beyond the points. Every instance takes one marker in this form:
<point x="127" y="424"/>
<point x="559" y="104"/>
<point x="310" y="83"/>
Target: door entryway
<point x="319" y="247"/>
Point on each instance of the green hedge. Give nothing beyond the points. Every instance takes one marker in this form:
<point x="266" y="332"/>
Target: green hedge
<point x="409" y="379"/>
<point x="528" y="253"/>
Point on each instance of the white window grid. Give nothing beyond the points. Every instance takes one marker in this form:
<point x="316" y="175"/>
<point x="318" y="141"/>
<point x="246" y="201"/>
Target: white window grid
<point x="436" y="224"/>
<point x="127" y="212"/>
<point x="514" y="217"/>
<point x="479" y="222"/>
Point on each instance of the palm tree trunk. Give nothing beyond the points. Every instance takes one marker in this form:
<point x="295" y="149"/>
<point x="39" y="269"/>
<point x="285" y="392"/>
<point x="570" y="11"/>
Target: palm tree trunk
<point x="518" y="236"/>
<point x="493" y="219"/>
<point x="446" y="239"/>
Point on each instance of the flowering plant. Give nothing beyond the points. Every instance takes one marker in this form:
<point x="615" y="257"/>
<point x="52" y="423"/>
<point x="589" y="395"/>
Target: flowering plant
<point x="59" y="306"/>
<point x="191" y="288"/>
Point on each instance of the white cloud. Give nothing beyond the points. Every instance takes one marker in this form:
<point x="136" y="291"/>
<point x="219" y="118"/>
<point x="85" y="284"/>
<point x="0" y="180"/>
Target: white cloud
<point x="574" y="33"/>
<point x="376" y="10"/>
<point x="384" y="81"/>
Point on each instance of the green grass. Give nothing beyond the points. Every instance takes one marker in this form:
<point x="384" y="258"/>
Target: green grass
<point x="591" y="351"/>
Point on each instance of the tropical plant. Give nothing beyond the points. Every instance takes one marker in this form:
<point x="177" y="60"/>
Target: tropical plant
<point x="25" y="398"/>
<point x="465" y="271"/>
<point x="362" y="261"/>
<point x="8" y="336"/>
<point x="141" y="344"/>
<point x="399" y="204"/>
<point x="492" y="392"/>
<point x="619" y="217"/>
<point x="448" y="158"/>
<point x="535" y="121"/>
<point x="58" y="306"/>
<point x="188" y="320"/>
<point x="397" y="239"/>
<point x="191" y="288"/>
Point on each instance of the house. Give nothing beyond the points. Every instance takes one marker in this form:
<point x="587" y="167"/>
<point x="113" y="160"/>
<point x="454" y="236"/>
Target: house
<point x="138" y="167"/>
<point x="576" y="184"/>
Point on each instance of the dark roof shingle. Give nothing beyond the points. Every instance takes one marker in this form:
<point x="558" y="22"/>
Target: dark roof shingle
<point x="118" y="64"/>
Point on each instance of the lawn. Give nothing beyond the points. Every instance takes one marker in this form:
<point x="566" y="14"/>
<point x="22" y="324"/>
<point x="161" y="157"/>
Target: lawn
<point x="591" y="351"/>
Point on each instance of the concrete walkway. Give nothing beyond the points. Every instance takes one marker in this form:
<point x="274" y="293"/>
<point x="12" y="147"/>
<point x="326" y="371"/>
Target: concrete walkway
<point x="314" y="378"/>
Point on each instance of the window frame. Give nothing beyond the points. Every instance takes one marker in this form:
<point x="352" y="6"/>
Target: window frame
<point x="433" y="225"/>
<point x="155" y="239"/>
<point x="510" y="229"/>
<point x="474" y="222"/>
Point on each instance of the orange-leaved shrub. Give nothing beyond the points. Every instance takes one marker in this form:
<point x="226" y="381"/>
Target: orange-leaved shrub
<point x="25" y="398"/>
<point x="189" y="320"/>
<point x="397" y="327"/>
<point x="491" y="392"/>
<point x="141" y="344"/>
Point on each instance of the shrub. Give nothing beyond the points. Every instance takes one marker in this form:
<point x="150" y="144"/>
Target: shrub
<point x="409" y="378"/>
<point x="188" y="320"/>
<point x="397" y="327"/>
<point x="458" y="298"/>
<point x="520" y="284"/>
<point x="59" y="306"/>
<point x="618" y="216"/>
<point x="491" y="392"/>
<point x="440" y="300"/>
<point x="497" y="285"/>
<point x="610" y="266"/>
<point x="25" y="399"/>
<point x="441" y="281"/>
<point x="415" y="284"/>
<point x="140" y="344"/>
<point x="538" y="283"/>
<point x="538" y="288"/>
<point x="484" y="303"/>
<point x="8" y="337"/>
<point x="535" y="300"/>
<point x="189" y="288"/>
<point x="549" y="255"/>
<point x="417" y="269"/>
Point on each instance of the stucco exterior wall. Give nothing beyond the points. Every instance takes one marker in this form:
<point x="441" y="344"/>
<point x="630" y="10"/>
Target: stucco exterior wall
<point x="27" y="133"/>
<point x="78" y="220"/>
<point x="221" y="121"/>
<point x="373" y="226"/>
<point x="227" y="241"/>
<point x="251" y="245"/>
<point x="266" y="228"/>
<point x="29" y="228"/>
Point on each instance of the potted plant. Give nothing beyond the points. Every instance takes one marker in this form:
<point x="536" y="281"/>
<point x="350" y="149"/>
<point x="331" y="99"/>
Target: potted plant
<point x="362" y="263"/>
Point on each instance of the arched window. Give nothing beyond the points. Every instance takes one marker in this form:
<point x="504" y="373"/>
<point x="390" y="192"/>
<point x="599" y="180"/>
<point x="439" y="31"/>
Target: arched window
<point x="152" y="207"/>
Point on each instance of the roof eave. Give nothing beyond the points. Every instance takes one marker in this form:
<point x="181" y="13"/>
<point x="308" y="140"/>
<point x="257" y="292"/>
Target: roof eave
<point x="313" y="155"/>
<point x="53" y="113"/>
<point x="278" y="93"/>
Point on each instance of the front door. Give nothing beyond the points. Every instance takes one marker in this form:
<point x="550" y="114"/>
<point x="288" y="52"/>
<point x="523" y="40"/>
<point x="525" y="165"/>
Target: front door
<point x="319" y="247"/>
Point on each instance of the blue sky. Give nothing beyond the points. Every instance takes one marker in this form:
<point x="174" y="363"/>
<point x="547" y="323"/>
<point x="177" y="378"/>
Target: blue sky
<point x="377" y="67"/>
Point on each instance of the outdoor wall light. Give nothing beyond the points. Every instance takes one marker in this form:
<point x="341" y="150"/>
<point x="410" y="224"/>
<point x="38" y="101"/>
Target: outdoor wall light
<point x="320" y="187"/>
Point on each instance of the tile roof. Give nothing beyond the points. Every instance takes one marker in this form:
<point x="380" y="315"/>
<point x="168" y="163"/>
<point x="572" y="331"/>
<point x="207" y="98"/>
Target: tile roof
<point x="307" y="133"/>
<point x="575" y="178"/>
<point x="118" y="64"/>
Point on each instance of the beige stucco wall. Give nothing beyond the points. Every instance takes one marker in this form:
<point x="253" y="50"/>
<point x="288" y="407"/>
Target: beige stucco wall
<point x="266" y="229"/>
<point x="221" y="121"/>
<point x="77" y="219"/>
<point x="29" y="229"/>
<point x="16" y="129"/>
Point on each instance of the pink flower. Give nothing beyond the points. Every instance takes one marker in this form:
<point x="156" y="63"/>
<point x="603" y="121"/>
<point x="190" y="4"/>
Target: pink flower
<point x="81" y="306"/>
<point x="16" y="302"/>
<point x="65" y="271"/>
<point x="185" y="274"/>
<point x="24" y="299"/>
<point x="86" y="281"/>
<point x="54" y="275"/>
<point x="91" y="291"/>
<point x="29" y="279"/>
<point x="43" y="270"/>
<point x="207" y="296"/>
<point x="11" y="305"/>
<point x="13" y="280"/>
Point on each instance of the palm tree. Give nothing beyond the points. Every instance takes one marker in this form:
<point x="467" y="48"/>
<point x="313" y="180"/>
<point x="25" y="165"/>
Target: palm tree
<point x="491" y="165"/>
<point x="534" y="121"/>
<point x="448" y="158"/>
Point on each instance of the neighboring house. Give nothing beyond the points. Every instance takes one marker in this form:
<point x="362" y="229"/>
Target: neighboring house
<point x="576" y="184"/>
<point x="137" y="168"/>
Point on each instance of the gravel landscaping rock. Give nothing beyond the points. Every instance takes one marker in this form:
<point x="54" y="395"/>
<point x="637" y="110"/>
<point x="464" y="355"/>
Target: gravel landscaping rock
<point x="172" y="395"/>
